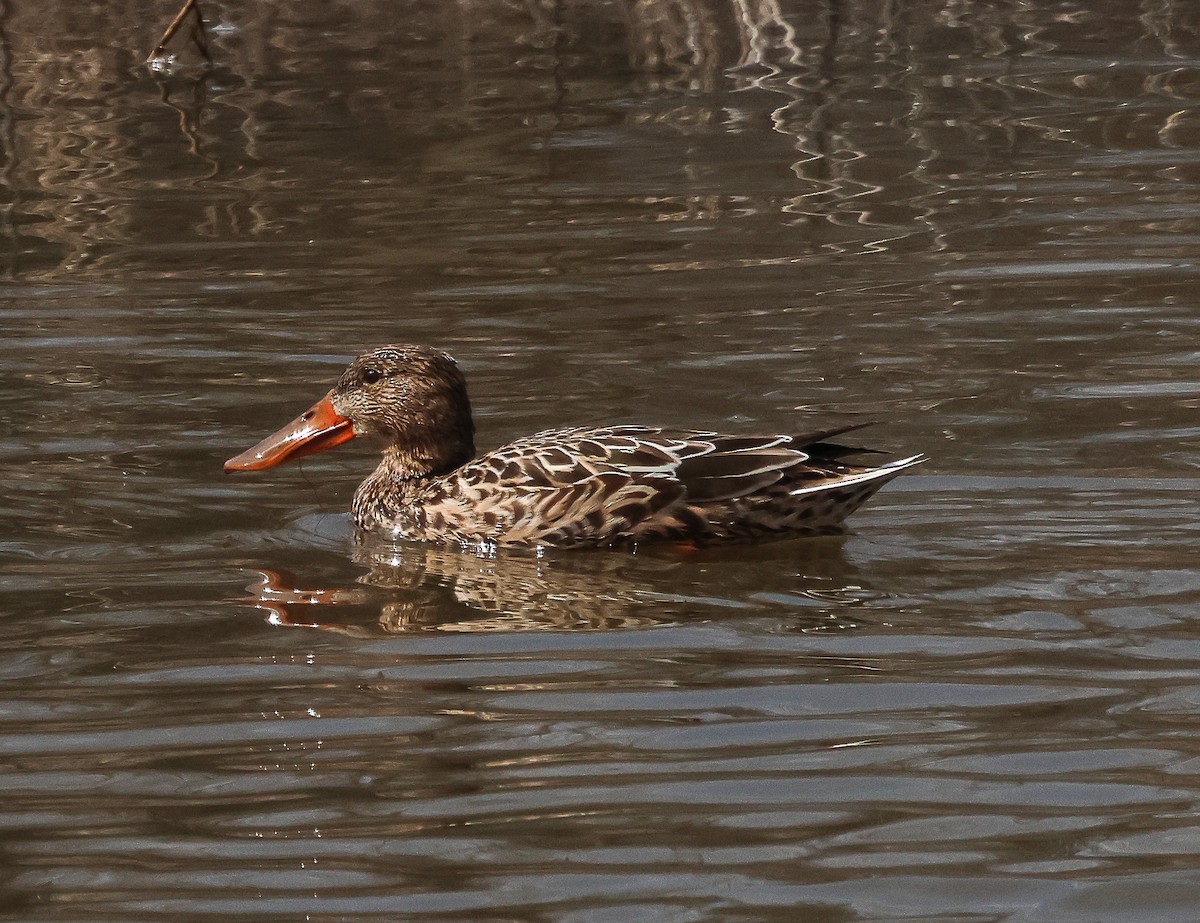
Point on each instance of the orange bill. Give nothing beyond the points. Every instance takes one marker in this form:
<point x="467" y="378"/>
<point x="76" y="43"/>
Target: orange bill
<point x="317" y="429"/>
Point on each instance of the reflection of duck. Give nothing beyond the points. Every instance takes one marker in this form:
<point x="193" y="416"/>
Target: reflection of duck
<point x="422" y="587"/>
<point x="448" y="588"/>
<point x="582" y="486"/>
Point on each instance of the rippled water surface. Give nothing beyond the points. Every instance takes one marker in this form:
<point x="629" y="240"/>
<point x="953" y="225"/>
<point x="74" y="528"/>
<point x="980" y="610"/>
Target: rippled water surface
<point x="977" y="223"/>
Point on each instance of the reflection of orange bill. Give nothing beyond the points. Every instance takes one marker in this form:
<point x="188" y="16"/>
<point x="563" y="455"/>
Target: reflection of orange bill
<point x="275" y="592"/>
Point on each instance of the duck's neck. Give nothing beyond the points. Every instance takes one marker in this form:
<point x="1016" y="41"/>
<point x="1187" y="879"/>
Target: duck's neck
<point x="402" y="477"/>
<point x="413" y="462"/>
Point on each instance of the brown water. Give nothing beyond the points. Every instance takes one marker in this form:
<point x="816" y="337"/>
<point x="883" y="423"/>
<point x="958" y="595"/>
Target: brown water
<point x="978" y="222"/>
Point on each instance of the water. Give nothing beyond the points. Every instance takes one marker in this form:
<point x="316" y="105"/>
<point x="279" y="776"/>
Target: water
<point x="978" y="225"/>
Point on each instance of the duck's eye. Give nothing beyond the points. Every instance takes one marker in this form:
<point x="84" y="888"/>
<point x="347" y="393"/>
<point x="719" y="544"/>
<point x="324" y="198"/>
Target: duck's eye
<point x="371" y="376"/>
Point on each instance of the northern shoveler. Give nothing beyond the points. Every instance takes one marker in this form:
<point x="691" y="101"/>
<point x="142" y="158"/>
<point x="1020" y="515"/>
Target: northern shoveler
<point x="581" y="486"/>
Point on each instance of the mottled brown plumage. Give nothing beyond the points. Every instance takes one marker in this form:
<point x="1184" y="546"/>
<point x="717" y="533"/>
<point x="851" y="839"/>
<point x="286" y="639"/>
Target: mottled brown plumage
<point x="578" y="486"/>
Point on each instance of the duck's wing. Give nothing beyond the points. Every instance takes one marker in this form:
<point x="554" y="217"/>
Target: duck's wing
<point x="715" y="467"/>
<point x="593" y="485"/>
<point x="741" y="488"/>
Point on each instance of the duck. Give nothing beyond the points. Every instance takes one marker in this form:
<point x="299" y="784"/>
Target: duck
<point x="620" y="485"/>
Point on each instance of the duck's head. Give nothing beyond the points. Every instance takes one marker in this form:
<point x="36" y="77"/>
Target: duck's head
<point x="412" y="397"/>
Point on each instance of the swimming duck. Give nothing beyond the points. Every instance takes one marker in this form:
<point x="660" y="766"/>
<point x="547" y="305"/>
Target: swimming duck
<point x="607" y="485"/>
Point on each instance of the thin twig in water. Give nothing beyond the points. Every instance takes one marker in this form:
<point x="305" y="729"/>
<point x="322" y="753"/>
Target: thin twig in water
<point x="198" y="34"/>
